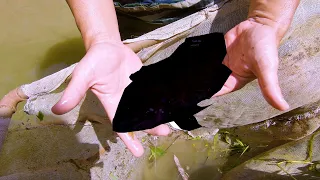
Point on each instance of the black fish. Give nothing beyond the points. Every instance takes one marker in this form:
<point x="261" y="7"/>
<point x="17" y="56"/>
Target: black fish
<point x="171" y="89"/>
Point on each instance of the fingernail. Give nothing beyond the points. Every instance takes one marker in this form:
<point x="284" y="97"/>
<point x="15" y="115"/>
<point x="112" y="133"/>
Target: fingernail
<point x="284" y="104"/>
<point x="133" y="145"/>
<point x="166" y="131"/>
<point x="56" y="109"/>
<point x="136" y="146"/>
<point x="63" y="102"/>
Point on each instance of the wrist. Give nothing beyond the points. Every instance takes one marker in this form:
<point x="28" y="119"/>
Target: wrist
<point x="279" y="28"/>
<point x="97" y="38"/>
<point x="277" y="14"/>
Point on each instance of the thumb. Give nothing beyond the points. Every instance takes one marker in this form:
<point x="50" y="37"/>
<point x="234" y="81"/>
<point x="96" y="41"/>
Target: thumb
<point x="233" y="83"/>
<point x="269" y="84"/>
<point x="72" y="95"/>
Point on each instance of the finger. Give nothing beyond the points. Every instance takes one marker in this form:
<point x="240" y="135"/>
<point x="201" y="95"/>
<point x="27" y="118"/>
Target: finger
<point x="269" y="84"/>
<point x="132" y="144"/>
<point x="135" y="146"/>
<point x="233" y="83"/>
<point x="161" y="130"/>
<point x="72" y="95"/>
<point x="110" y="104"/>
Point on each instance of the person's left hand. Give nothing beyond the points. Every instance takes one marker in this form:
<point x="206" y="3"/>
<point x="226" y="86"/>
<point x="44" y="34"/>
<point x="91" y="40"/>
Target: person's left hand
<point x="252" y="52"/>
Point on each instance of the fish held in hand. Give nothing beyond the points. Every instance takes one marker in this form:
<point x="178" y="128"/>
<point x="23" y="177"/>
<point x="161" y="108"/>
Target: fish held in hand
<point x="171" y="89"/>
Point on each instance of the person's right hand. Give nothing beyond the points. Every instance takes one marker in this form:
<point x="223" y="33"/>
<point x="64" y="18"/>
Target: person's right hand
<point x="105" y="70"/>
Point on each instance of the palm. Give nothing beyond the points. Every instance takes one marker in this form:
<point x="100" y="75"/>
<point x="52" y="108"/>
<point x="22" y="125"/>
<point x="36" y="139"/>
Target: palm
<point x="108" y="75"/>
<point x="105" y="70"/>
<point x="252" y="53"/>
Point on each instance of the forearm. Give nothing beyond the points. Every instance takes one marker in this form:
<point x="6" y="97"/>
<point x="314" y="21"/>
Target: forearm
<point x="96" y="20"/>
<point x="275" y="13"/>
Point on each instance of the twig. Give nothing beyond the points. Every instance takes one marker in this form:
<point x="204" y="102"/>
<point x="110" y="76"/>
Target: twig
<point x="244" y="150"/>
<point x="307" y="161"/>
<point x="175" y="139"/>
<point x="278" y="164"/>
<point x="310" y="146"/>
<point x="180" y="169"/>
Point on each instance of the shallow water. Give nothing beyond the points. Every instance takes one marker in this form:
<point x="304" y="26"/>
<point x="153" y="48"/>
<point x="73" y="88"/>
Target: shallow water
<point x="193" y="156"/>
<point x="35" y="41"/>
<point x="39" y="38"/>
<point x="205" y="159"/>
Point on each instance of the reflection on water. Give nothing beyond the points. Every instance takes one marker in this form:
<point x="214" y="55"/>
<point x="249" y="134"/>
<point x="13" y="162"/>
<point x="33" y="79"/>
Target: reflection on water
<point x="61" y="55"/>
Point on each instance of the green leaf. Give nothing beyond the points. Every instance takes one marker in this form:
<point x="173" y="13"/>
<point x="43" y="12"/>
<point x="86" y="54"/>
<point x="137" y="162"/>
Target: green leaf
<point x="40" y="116"/>
<point x="143" y="140"/>
<point x="156" y="152"/>
<point x="240" y="142"/>
<point x="215" y="145"/>
<point x="227" y="139"/>
<point x="113" y="177"/>
<point x="224" y="132"/>
<point x="194" y="138"/>
<point x="310" y="146"/>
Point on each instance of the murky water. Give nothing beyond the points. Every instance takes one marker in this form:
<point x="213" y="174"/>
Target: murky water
<point x="35" y="41"/>
<point x="205" y="159"/>
<point x="39" y="38"/>
<point x="195" y="157"/>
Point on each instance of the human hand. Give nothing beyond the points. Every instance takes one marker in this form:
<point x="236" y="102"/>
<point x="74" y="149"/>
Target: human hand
<point x="105" y="70"/>
<point x="252" y="52"/>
